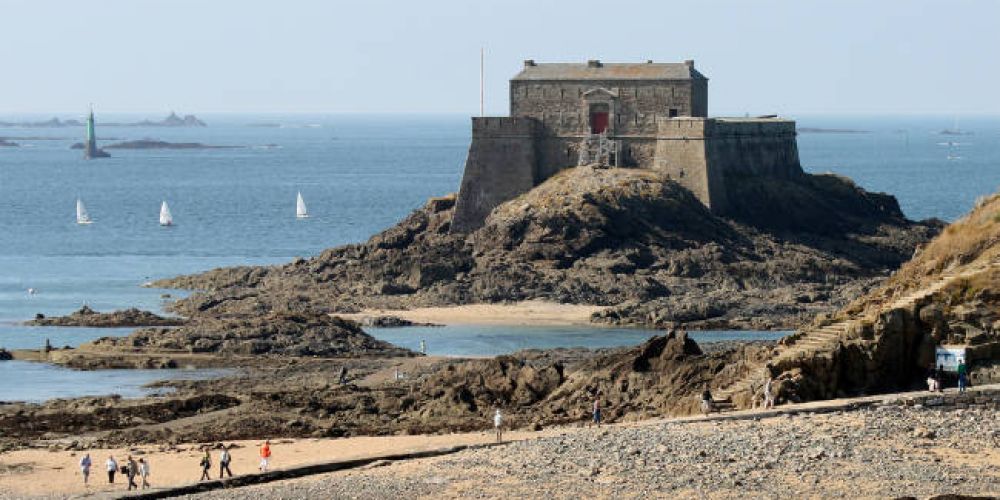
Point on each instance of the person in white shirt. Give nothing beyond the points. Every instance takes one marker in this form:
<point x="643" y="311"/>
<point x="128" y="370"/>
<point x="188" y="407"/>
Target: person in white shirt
<point x="768" y="395"/>
<point x="224" y="459"/>
<point x="498" y="424"/>
<point x="144" y="472"/>
<point x="112" y="468"/>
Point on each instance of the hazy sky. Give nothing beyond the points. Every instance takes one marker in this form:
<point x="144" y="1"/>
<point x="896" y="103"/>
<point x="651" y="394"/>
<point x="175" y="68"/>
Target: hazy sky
<point x="884" y="56"/>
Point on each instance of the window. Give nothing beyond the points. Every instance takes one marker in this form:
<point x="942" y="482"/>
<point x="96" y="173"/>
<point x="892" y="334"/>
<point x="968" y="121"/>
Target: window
<point x="672" y="113"/>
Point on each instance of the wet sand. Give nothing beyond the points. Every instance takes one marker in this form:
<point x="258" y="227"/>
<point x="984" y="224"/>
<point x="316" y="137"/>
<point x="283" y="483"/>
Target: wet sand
<point x="526" y="313"/>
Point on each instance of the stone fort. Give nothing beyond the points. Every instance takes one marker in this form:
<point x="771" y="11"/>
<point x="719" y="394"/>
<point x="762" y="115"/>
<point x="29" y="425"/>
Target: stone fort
<point x="639" y="115"/>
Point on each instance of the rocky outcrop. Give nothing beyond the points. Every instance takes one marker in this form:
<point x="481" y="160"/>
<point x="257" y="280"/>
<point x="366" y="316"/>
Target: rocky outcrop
<point x="949" y="294"/>
<point x="87" y="317"/>
<point x="389" y="321"/>
<point x="275" y="334"/>
<point x="619" y="237"/>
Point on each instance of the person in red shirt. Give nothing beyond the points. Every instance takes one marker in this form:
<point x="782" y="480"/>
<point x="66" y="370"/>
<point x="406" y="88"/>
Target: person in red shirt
<point x="265" y="455"/>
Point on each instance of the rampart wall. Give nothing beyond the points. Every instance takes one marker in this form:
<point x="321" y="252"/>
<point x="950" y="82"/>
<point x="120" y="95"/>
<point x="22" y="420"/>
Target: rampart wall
<point x="502" y="164"/>
<point x="510" y="156"/>
<point x="702" y="153"/>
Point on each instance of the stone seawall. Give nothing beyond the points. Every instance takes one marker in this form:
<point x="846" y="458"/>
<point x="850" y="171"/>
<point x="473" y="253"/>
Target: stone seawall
<point x="501" y="165"/>
<point x="988" y="399"/>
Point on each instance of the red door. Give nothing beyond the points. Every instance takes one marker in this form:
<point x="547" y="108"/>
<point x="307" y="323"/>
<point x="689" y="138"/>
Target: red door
<point x="598" y="122"/>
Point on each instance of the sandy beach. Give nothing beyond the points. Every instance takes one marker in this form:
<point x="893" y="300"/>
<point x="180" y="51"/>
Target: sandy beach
<point x="526" y="313"/>
<point x="40" y="472"/>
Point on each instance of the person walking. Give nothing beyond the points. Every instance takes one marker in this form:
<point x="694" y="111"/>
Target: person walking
<point x="265" y="456"/>
<point x="423" y="346"/>
<point x="939" y="378"/>
<point x="706" y="402"/>
<point x="768" y="393"/>
<point x="931" y="380"/>
<point x="343" y="375"/>
<point x="224" y="459"/>
<point x="131" y="470"/>
<point x="144" y="472"/>
<point x="963" y="374"/>
<point x="112" y="466"/>
<point x="206" y="465"/>
<point x="498" y="425"/>
<point x="85" y="464"/>
<point x="596" y="411"/>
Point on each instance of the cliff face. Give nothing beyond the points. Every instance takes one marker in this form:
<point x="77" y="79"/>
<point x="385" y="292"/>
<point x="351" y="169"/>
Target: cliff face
<point x="949" y="293"/>
<point x="623" y="238"/>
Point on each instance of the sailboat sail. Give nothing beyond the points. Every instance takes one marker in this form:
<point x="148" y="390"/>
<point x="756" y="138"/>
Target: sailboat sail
<point x="300" y="207"/>
<point x="165" y="218"/>
<point x="82" y="217"/>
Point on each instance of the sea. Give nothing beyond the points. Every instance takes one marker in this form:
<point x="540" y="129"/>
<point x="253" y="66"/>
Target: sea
<point x="358" y="175"/>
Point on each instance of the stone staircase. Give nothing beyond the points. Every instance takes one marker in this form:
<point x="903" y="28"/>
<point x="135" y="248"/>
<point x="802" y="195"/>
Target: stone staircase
<point x="817" y="340"/>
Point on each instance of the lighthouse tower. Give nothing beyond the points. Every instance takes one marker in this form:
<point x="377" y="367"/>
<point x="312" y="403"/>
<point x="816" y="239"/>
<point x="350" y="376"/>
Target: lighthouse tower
<point x="90" y="149"/>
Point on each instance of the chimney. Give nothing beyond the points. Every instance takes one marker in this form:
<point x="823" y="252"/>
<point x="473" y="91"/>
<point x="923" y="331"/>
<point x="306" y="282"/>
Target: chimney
<point x="529" y="63"/>
<point x="593" y="63"/>
<point x="689" y="63"/>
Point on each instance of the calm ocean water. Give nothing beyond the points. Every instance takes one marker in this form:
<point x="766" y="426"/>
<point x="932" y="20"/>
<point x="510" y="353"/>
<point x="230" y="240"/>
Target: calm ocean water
<point x="358" y="175"/>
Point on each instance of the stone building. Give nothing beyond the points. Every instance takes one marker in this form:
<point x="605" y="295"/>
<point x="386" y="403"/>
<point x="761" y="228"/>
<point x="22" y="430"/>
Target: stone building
<point x="638" y="115"/>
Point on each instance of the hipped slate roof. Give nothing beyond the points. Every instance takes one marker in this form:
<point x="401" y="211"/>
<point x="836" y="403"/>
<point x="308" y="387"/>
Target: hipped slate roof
<point x="608" y="71"/>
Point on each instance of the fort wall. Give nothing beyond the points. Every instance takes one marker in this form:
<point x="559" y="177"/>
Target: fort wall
<point x="701" y="154"/>
<point x="501" y="165"/>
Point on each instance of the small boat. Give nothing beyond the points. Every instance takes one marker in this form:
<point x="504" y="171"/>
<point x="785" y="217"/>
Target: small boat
<point x="165" y="218"/>
<point x="82" y="217"/>
<point x="300" y="207"/>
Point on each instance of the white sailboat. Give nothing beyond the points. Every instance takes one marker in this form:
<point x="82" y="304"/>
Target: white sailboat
<point x="300" y="207"/>
<point x="165" y="218"/>
<point x="82" y="217"/>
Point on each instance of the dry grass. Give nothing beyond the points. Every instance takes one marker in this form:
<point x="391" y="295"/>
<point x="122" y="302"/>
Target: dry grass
<point x="969" y="241"/>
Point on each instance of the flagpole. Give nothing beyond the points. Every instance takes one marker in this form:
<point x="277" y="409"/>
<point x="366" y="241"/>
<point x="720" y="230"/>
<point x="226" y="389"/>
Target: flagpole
<point x="482" y="82"/>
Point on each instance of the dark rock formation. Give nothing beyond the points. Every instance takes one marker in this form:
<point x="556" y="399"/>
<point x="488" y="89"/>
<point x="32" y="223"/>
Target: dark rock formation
<point x="156" y="144"/>
<point x="387" y="321"/>
<point x="103" y="413"/>
<point x="4" y="143"/>
<point x="280" y="334"/>
<point x="619" y="237"/>
<point x="5" y="355"/>
<point x="88" y="317"/>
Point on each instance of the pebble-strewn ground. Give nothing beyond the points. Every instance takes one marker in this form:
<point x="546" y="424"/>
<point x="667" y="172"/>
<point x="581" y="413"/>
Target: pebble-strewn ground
<point x="884" y="452"/>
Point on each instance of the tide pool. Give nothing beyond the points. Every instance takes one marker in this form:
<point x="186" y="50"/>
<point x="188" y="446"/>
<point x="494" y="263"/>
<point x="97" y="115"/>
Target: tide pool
<point x="36" y="382"/>
<point x="482" y="340"/>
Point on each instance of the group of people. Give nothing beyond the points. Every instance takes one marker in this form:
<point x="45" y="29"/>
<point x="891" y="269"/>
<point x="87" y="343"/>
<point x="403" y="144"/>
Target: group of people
<point x="708" y="402"/>
<point x="226" y="458"/>
<point x="130" y="469"/>
<point x="133" y="468"/>
<point x="936" y="376"/>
